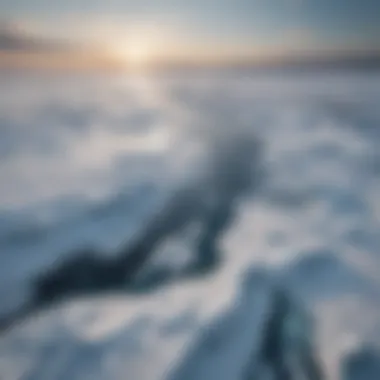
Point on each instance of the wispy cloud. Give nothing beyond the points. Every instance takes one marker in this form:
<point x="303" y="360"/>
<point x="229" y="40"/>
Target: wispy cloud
<point x="21" y="48"/>
<point x="15" y="38"/>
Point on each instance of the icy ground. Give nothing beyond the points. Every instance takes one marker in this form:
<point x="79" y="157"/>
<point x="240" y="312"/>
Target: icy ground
<point x="86" y="161"/>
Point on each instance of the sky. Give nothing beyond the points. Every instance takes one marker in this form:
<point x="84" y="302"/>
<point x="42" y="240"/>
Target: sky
<point x="130" y="33"/>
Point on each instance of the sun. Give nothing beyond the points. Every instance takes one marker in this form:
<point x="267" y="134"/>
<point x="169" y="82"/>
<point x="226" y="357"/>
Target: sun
<point x="142" y="45"/>
<point x="136" y="54"/>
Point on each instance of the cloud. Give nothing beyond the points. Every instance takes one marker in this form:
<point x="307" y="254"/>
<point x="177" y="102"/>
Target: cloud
<point x="20" y="48"/>
<point x="15" y="39"/>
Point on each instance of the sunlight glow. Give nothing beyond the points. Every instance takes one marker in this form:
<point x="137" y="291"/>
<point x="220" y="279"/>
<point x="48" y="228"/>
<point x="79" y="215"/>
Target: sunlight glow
<point x="137" y="55"/>
<point x="140" y="47"/>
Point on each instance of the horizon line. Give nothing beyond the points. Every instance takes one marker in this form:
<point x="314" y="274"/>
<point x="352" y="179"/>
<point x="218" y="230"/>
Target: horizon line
<point x="94" y="61"/>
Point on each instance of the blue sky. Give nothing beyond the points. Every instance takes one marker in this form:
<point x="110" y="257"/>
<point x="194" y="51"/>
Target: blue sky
<point x="229" y="26"/>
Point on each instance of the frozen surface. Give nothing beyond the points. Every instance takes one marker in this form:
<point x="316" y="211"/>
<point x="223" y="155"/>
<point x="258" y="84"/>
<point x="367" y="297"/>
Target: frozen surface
<point x="86" y="161"/>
